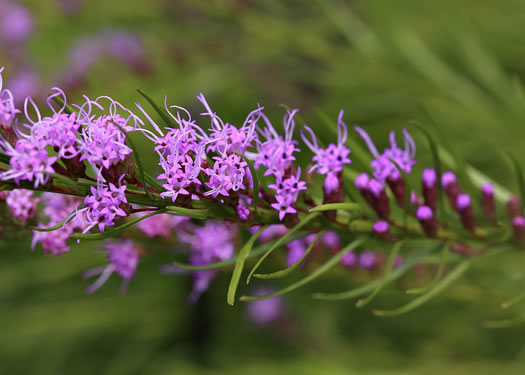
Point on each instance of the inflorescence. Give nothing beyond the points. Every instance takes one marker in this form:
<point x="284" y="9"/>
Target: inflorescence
<point x="71" y="172"/>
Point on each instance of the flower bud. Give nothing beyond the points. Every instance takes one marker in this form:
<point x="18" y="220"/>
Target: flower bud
<point x="518" y="226"/>
<point x="426" y="219"/>
<point x="379" y="199"/>
<point x="243" y="212"/>
<point x="381" y="229"/>
<point x="367" y="260"/>
<point x="397" y="185"/>
<point x="514" y="207"/>
<point x="414" y="199"/>
<point x="361" y="183"/>
<point x="487" y="201"/>
<point x="451" y="187"/>
<point x="349" y="259"/>
<point x="429" y="185"/>
<point x="464" y="207"/>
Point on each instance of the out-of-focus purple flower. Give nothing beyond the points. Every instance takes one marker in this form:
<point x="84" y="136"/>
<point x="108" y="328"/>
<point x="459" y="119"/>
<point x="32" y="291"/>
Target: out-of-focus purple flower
<point x="487" y="201"/>
<point x="296" y="250"/>
<point x="464" y="207"/>
<point x="514" y="207"/>
<point x="383" y="166"/>
<point x="128" y="48"/>
<point x="16" y="23"/>
<point x="243" y="212"/>
<point x="22" y="204"/>
<point x="381" y="228"/>
<point x="329" y="161"/>
<point x="70" y="7"/>
<point x="425" y="215"/>
<point x="123" y="258"/>
<point x="276" y="230"/>
<point x="367" y="260"/>
<point x="265" y="311"/>
<point x="349" y="259"/>
<point x="518" y="226"/>
<point x="429" y="184"/>
<point x="23" y="84"/>
<point x="160" y="225"/>
<point x="451" y="187"/>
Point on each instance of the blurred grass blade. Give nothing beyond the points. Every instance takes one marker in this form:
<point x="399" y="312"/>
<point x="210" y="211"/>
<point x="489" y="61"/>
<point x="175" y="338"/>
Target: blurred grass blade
<point x="111" y="232"/>
<point x="301" y="223"/>
<point x="163" y="115"/>
<point x="518" y="173"/>
<point x="437" y="277"/>
<point x="520" y="319"/>
<point x="59" y="225"/>
<point x="384" y="281"/>
<point x="396" y="274"/>
<point x="66" y="180"/>
<point x="257" y="251"/>
<point x="287" y="271"/>
<point x="511" y="302"/>
<point x="239" y="265"/>
<point x="190" y="212"/>
<point x="138" y="163"/>
<point x="255" y="179"/>
<point x="438" y="288"/>
<point x="337" y="206"/>
<point x="315" y="274"/>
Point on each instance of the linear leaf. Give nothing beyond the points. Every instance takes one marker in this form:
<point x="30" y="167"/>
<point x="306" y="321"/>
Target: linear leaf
<point x="449" y="279"/>
<point x="518" y="172"/>
<point x="384" y="281"/>
<point x="318" y="272"/>
<point x="239" y="265"/>
<point x="301" y="223"/>
<point x="520" y="319"/>
<point x="396" y="274"/>
<point x="437" y="277"/>
<point x="286" y="271"/>
<point x="191" y="212"/>
<point x="337" y="206"/>
<point x="160" y="112"/>
<point x="257" y="251"/>
<point x="138" y="163"/>
<point x="109" y="233"/>
<point x="59" y="225"/>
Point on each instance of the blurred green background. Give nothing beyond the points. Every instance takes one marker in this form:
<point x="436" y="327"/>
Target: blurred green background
<point x="455" y="66"/>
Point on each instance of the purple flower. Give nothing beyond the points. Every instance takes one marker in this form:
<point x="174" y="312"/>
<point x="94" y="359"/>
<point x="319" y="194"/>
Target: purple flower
<point x="367" y="260"/>
<point x="123" y="258"/>
<point x="160" y="225"/>
<point x="103" y="206"/>
<point x="243" y="212"/>
<point x="329" y="161"/>
<point x="8" y="111"/>
<point x="287" y="192"/>
<point x="383" y="167"/>
<point x="22" y="204"/>
<point x="25" y="83"/>
<point x="349" y="259"/>
<point x="16" y="23"/>
<point x="228" y="174"/>
<point x="265" y="311"/>
<point x="381" y="228"/>
<point x="296" y="250"/>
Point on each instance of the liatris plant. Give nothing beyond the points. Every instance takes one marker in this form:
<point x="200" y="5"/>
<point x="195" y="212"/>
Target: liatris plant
<point x="72" y="173"/>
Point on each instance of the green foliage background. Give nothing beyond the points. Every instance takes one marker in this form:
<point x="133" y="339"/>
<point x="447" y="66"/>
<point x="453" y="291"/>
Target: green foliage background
<point x="454" y="66"/>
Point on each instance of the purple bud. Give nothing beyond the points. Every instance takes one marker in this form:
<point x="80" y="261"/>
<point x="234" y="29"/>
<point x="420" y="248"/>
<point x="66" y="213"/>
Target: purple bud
<point x="381" y="228"/>
<point x="243" y="212"/>
<point x="463" y="204"/>
<point x="451" y="186"/>
<point x="379" y="199"/>
<point x="267" y="310"/>
<point x="397" y="185"/>
<point x="429" y="179"/>
<point x="427" y="221"/>
<point x="514" y="207"/>
<point x="487" y="201"/>
<point x="367" y="260"/>
<point x="361" y="181"/>
<point x="414" y="199"/>
<point x="349" y="259"/>
<point x="518" y="226"/>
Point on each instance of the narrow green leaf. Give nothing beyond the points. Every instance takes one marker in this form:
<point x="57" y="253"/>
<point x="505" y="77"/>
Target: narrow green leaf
<point x="138" y="163"/>
<point x="153" y="182"/>
<point x="396" y="274"/>
<point x="511" y="302"/>
<point x="239" y="265"/>
<point x="415" y="303"/>
<point x="167" y="120"/>
<point x="109" y="233"/>
<point x="67" y="108"/>
<point x="318" y="272"/>
<point x="59" y="225"/>
<point x="518" y="174"/>
<point x="190" y="212"/>
<point x="337" y="206"/>
<point x="301" y="223"/>
<point x="69" y="182"/>
<point x="437" y="277"/>
<point x="520" y="319"/>
<point x="384" y="281"/>
<point x="255" y="179"/>
<point x="257" y="251"/>
<point x="286" y="271"/>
